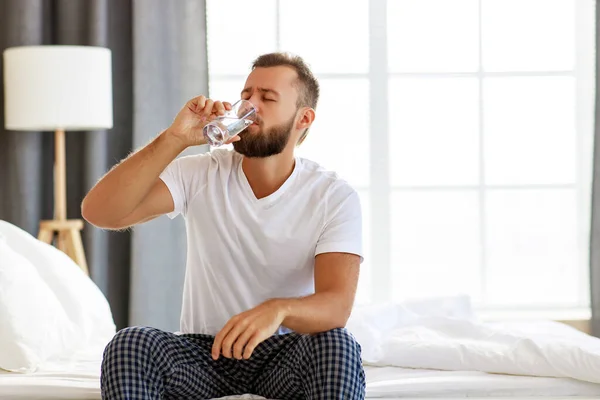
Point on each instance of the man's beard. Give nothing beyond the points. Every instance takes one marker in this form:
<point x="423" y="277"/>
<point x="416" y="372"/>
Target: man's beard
<point x="265" y="144"/>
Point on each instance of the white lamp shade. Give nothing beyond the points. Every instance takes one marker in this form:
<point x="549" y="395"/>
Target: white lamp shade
<point x="57" y="87"/>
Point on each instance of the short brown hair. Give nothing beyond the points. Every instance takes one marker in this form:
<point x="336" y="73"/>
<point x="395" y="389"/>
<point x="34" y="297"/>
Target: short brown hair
<point x="307" y="84"/>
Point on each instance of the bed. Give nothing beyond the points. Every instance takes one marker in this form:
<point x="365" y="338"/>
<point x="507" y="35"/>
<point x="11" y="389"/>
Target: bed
<point x="55" y="322"/>
<point x="79" y="378"/>
<point x="81" y="382"/>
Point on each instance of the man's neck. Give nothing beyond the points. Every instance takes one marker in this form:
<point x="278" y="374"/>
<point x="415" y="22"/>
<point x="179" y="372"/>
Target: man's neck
<point x="266" y="175"/>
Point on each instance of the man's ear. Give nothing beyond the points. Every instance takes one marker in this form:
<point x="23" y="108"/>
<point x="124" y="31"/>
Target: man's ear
<point x="307" y="118"/>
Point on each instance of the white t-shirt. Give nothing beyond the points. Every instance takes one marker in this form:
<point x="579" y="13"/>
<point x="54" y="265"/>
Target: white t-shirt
<point x="243" y="250"/>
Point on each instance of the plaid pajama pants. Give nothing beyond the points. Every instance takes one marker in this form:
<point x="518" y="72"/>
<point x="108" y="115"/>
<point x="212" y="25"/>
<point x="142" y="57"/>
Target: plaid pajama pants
<point x="147" y="363"/>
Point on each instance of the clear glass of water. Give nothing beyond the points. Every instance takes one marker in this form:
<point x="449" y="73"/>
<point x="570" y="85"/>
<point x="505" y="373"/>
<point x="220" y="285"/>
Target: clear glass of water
<point x="226" y="126"/>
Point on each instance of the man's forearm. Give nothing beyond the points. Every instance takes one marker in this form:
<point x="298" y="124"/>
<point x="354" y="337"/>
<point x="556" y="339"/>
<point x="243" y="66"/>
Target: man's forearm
<point x="122" y="189"/>
<point x="319" y="312"/>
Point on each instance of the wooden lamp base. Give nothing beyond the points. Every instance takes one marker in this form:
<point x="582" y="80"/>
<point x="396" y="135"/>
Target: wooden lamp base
<point x="68" y="238"/>
<point x="67" y="231"/>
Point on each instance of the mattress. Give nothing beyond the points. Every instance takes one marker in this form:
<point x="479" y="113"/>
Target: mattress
<point x="394" y="382"/>
<point x="80" y="380"/>
<point x="77" y="379"/>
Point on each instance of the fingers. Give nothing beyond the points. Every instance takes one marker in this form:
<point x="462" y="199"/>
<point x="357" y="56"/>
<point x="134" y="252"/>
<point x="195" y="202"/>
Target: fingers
<point x="231" y="338"/>
<point x="207" y="107"/>
<point x="241" y="342"/>
<point x="219" y="108"/>
<point x="251" y="345"/>
<point x="200" y="101"/>
<point x="196" y="104"/>
<point x="218" y="343"/>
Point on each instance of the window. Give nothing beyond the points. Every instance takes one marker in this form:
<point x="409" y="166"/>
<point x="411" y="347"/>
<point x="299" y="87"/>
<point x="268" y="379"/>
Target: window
<point x="466" y="126"/>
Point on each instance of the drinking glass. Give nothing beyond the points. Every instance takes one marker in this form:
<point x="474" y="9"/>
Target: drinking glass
<point x="224" y="127"/>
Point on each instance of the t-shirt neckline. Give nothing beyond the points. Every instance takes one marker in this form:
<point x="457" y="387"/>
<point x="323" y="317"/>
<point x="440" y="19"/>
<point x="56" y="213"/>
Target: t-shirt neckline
<point x="273" y="197"/>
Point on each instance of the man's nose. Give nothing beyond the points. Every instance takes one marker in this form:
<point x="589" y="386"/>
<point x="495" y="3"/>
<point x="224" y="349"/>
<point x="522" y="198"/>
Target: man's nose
<point x="255" y="100"/>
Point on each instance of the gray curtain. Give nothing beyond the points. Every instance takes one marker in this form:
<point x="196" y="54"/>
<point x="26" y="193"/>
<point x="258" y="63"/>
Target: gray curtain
<point x="159" y="61"/>
<point x="595" y="226"/>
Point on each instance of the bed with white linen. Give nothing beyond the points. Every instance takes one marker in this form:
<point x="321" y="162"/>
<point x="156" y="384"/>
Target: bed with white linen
<point x="54" y="324"/>
<point x="82" y="383"/>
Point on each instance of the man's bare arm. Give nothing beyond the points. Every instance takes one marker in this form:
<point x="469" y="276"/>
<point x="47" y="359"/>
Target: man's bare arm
<point x="336" y="278"/>
<point x="132" y="192"/>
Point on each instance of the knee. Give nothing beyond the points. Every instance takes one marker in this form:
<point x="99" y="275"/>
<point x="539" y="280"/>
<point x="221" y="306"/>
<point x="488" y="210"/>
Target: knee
<point x="130" y="343"/>
<point x="337" y="344"/>
<point x="134" y="336"/>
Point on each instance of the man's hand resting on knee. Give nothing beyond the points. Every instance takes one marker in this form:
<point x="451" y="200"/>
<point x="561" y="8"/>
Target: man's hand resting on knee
<point x="245" y="331"/>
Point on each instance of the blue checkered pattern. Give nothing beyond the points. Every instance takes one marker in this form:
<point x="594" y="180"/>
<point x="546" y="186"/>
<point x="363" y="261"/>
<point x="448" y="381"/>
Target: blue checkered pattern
<point x="147" y="363"/>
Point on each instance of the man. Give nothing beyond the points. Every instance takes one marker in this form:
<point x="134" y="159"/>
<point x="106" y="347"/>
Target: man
<point x="274" y="248"/>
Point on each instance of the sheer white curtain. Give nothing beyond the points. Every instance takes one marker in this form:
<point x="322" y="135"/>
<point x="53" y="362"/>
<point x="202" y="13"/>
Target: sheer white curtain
<point x="465" y="125"/>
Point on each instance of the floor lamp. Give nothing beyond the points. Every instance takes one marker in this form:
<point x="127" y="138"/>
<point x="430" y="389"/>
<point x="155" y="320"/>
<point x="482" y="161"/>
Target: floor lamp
<point x="59" y="88"/>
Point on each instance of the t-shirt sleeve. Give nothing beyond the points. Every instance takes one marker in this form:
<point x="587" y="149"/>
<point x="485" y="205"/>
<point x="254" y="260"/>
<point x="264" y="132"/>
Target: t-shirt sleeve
<point x="342" y="232"/>
<point x="184" y="178"/>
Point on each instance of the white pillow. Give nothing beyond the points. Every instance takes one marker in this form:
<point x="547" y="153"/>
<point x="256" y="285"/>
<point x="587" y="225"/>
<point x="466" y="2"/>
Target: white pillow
<point x="33" y="325"/>
<point x="83" y="302"/>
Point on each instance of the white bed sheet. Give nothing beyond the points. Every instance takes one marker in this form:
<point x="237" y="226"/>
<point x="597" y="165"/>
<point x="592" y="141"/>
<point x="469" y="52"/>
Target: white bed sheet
<point x="394" y="382"/>
<point x="75" y="380"/>
<point x="80" y="381"/>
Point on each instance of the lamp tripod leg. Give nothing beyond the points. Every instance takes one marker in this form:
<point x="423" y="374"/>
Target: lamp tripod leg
<point x="67" y="232"/>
